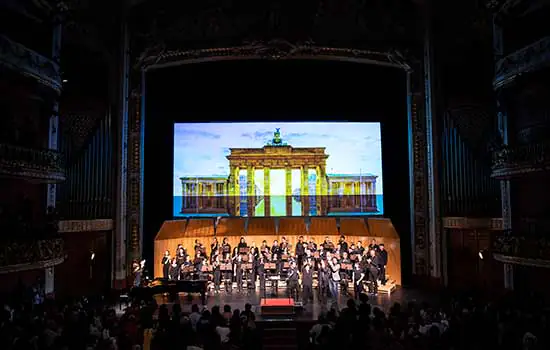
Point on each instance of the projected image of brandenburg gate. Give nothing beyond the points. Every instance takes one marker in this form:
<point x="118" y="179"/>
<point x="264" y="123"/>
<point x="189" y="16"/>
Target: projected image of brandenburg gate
<point x="319" y="193"/>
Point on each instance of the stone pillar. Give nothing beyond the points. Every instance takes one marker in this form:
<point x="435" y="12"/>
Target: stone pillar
<point x="267" y="192"/>
<point x="250" y="186"/>
<point x="49" y="278"/>
<point x="323" y="179"/>
<point x="236" y="183"/>
<point x="184" y="194"/>
<point x="317" y="181"/>
<point x="305" y="181"/>
<point x="288" y="191"/>
<point x="288" y="182"/>
<point x="250" y="190"/>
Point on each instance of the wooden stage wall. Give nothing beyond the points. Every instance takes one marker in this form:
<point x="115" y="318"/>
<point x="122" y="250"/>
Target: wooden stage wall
<point x="185" y="232"/>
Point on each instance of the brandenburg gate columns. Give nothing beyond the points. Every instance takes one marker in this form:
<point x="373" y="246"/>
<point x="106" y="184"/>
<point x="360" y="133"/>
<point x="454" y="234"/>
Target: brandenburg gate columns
<point x="250" y="191"/>
<point x="288" y="191"/>
<point x="267" y="198"/>
<point x="304" y="189"/>
<point x="305" y="181"/>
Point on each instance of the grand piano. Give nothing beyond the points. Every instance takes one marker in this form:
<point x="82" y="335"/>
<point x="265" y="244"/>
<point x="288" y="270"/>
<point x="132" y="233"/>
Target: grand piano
<point x="164" y="286"/>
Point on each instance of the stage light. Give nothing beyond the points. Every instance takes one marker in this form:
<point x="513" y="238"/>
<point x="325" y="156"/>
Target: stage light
<point x="480" y="254"/>
<point x="65" y="81"/>
<point x="92" y="257"/>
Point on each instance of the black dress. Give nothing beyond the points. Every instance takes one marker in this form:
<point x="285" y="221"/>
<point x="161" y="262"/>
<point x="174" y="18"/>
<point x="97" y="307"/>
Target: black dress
<point x="165" y="267"/>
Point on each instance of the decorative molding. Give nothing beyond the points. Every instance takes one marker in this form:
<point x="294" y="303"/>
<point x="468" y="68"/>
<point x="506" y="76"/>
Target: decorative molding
<point x="37" y="164"/>
<point x="528" y="59"/>
<point x="511" y="162"/>
<point x="420" y="239"/>
<point x="31" y="254"/>
<point x="134" y="172"/>
<point x="66" y="226"/>
<point x="465" y="223"/>
<point x="270" y="50"/>
<point x="29" y="63"/>
<point x="515" y="260"/>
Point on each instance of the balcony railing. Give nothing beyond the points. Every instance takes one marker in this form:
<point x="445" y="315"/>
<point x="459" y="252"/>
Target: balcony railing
<point x="22" y="59"/>
<point x="514" y="161"/>
<point x="528" y="59"/>
<point x="27" y="254"/>
<point x="522" y="250"/>
<point x="21" y="162"/>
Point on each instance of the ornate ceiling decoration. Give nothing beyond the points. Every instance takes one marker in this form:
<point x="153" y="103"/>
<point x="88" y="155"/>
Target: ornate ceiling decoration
<point x="273" y="50"/>
<point x="189" y="28"/>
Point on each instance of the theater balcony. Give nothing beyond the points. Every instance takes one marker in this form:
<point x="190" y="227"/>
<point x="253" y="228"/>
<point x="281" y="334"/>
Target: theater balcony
<point x="522" y="250"/>
<point x="27" y="62"/>
<point x="41" y="165"/>
<point x="510" y="162"/>
<point x="25" y="254"/>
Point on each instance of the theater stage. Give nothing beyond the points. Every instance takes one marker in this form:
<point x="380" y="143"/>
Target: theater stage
<point x="310" y="311"/>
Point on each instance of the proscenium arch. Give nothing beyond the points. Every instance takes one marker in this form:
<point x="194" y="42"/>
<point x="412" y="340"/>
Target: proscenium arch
<point x="284" y="51"/>
<point x="274" y="50"/>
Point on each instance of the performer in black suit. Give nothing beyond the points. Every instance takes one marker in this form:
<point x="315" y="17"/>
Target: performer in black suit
<point x="238" y="269"/>
<point x="372" y="272"/>
<point x="307" y="284"/>
<point x="343" y="244"/>
<point x="358" y="277"/>
<point x="166" y="262"/>
<point x="373" y="245"/>
<point x="300" y="252"/>
<point x="382" y="262"/>
<point x="323" y="280"/>
<point x="260" y="270"/>
<point x="292" y="281"/>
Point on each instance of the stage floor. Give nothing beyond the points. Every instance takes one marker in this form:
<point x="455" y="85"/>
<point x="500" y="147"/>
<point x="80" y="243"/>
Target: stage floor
<point x="311" y="311"/>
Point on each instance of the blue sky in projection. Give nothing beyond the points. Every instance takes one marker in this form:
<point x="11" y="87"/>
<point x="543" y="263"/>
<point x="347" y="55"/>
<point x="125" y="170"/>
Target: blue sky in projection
<point x="200" y="149"/>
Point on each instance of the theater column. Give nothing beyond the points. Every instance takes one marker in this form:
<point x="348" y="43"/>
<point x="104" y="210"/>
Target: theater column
<point x="506" y="197"/>
<point x="53" y="138"/>
<point x="120" y="265"/>
<point x="436" y="272"/>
